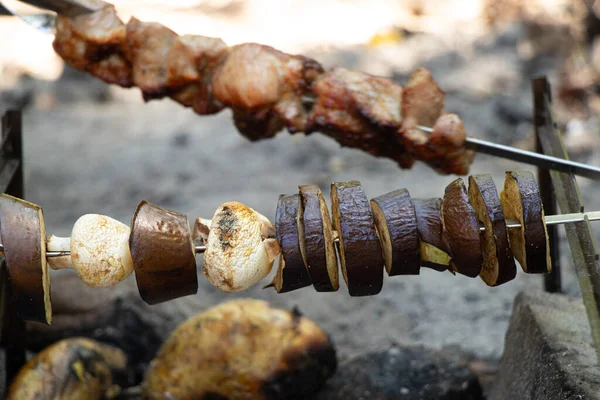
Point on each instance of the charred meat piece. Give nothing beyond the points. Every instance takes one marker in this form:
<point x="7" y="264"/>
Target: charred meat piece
<point x="462" y="227"/>
<point x="24" y="238"/>
<point x="434" y="247"/>
<point x="443" y="149"/>
<point x="521" y="201"/>
<point x="317" y="240"/>
<point x="264" y="84"/>
<point x="422" y="100"/>
<point x="359" y="246"/>
<point x="292" y="273"/>
<point x="498" y="261"/>
<point x="163" y="254"/>
<point x="95" y="43"/>
<point x="361" y="111"/>
<point x="396" y="223"/>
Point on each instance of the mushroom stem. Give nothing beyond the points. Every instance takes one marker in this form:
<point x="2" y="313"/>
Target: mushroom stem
<point x="56" y="244"/>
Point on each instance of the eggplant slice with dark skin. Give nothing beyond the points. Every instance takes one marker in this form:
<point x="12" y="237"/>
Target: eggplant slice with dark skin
<point x="292" y="273"/>
<point x="498" y="262"/>
<point x="521" y="201"/>
<point x="434" y="248"/>
<point x="462" y="227"/>
<point x="359" y="247"/>
<point x="316" y="242"/>
<point x="163" y="254"/>
<point x="396" y="223"/>
<point x="24" y="239"/>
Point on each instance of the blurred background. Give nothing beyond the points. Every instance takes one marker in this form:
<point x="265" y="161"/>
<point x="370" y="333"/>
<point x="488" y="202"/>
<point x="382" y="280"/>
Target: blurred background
<point x="95" y="148"/>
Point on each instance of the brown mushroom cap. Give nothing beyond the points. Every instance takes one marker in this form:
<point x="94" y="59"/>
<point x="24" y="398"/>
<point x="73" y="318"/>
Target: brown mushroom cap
<point x="359" y="247"/>
<point x="521" y="201"/>
<point x="163" y="254"/>
<point x="321" y="258"/>
<point x="463" y="230"/>
<point x="71" y="369"/>
<point x="498" y="261"/>
<point x="242" y="349"/>
<point x="24" y="238"/>
<point x="396" y="223"/>
<point x="291" y="273"/>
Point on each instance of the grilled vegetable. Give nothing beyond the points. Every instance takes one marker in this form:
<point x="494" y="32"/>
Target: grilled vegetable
<point x="462" y="227"/>
<point x="359" y="246"/>
<point x="242" y="349"/>
<point x="291" y="273"/>
<point x="498" y="261"/>
<point x="521" y="201"/>
<point x="163" y="254"/>
<point x="396" y="223"/>
<point x="71" y="369"/>
<point x="434" y="247"/>
<point x="24" y="238"/>
<point x="317" y="240"/>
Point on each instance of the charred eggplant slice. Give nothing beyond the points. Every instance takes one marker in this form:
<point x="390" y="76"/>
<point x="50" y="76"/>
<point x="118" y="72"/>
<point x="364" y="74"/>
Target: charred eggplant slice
<point x="316" y="242"/>
<point x="462" y="227"/>
<point x="498" y="261"/>
<point x="396" y="223"/>
<point x="359" y="246"/>
<point x="434" y="248"/>
<point x="521" y="201"/>
<point x="24" y="239"/>
<point x="163" y="254"/>
<point x="292" y="273"/>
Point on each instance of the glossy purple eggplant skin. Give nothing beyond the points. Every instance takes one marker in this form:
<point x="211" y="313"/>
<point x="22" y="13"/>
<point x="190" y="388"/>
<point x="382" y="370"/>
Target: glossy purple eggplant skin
<point x="359" y="244"/>
<point x="430" y="228"/>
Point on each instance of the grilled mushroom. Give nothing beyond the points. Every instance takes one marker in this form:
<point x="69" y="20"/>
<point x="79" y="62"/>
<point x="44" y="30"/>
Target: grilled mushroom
<point x="163" y="254"/>
<point x="498" y="261"/>
<point x="71" y="369"/>
<point x="100" y="250"/>
<point x="521" y="201"/>
<point x="359" y="246"/>
<point x="291" y="272"/>
<point x="239" y="250"/>
<point x="396" y="223"/>
<point x="317" y="240"/>
<point x="24" y="238"/>
<point x="462" y="227"/>
<point x="242" y="349"/>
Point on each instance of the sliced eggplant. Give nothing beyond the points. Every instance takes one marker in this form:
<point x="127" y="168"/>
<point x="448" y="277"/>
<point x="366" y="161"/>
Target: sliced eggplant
<point x="291" y="273"/>
<point x="163" y="254"/>
<point x="498" y="261"/>
<point x="396" y="223"/>
<point x="316" y="242"/>
<point x="521" y="201"/>
<point x="359" y="246"/>
<point x="434" y="247"/>
<point x="462" y="227"/>
<point x="24" y="239"/>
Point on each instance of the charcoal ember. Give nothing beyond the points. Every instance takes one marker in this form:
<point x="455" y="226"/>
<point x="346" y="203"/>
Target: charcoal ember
<point x="116" y="316"/>
<point x="404" y="373"/>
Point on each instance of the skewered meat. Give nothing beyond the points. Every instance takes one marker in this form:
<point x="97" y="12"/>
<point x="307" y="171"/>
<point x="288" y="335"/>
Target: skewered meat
<point x="521" y="201"/>
<point x="269" y="90"/>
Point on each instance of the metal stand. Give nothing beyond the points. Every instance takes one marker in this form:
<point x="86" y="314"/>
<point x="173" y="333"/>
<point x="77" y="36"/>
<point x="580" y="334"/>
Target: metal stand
<point x="579" y="235"/>
<point x="12" y="327"/>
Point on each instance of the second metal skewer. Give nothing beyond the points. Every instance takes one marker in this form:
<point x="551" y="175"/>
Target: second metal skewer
<point x="510" y="224"/>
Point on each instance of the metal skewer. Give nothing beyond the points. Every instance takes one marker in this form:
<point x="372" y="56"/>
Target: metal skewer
<point x="510" y="224"/>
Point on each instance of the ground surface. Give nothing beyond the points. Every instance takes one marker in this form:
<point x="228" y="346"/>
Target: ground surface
<point x="85" y="156"/>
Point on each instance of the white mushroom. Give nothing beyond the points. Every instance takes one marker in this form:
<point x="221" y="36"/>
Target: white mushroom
<point x="239" y="250"/>
<point x="99" y="247"/>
